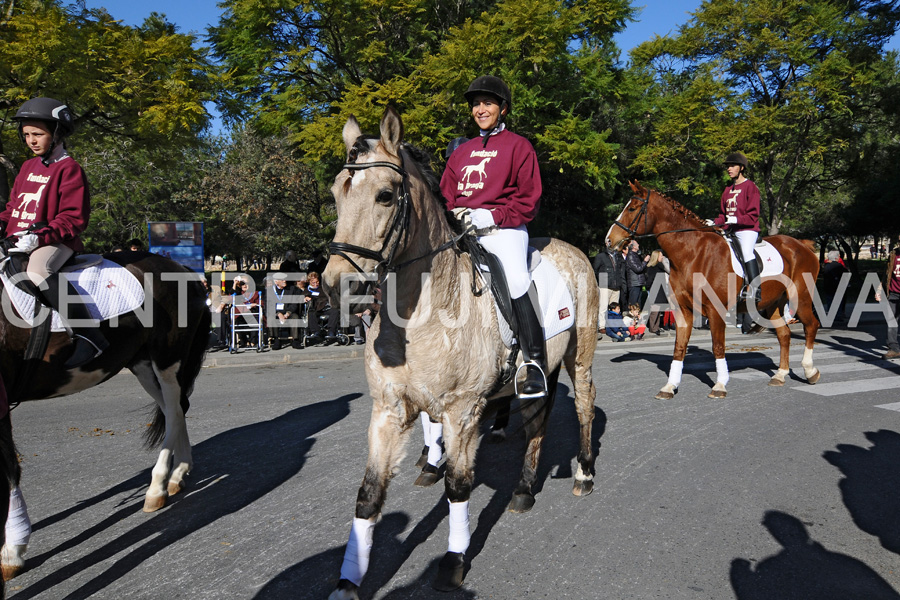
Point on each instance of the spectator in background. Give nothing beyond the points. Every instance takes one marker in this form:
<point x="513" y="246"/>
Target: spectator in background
<point x="290" y="264"/>
<point x="635" y="268"/>
<point x="657" y="285"/>
<point x="286" y="310"/>
<point x="135" y="245"/>
<point x="609" y="269"/>
<point x="832" y="272"/>
<point x="615" y="324"/>
<point x="634" y="322"/>
<point x="891" y="283"/>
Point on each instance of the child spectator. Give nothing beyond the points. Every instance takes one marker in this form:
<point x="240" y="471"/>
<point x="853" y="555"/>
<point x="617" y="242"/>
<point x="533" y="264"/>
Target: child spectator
<point x="615" y="325"/>
<point x="634" y="322"/>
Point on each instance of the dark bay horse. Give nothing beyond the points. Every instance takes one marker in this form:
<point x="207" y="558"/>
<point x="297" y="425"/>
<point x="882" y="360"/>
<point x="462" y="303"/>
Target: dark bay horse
<point x="163" y="343"/>
<point x="436" y="346"/>
<point x="702" y="280"/>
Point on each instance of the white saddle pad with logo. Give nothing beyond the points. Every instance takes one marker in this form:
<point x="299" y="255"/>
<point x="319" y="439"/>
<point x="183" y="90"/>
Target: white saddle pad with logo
<point x="112" y="290"/>
<point x="557" y="307"/>
<point x="772" y="262"/>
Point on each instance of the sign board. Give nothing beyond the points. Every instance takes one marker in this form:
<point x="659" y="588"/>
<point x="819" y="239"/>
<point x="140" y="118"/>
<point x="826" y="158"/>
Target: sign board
<point x="179" y="240"/>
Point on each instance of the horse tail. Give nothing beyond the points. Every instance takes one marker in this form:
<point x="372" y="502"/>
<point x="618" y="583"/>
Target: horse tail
<point x="156" y="430"/>
<point x="809" y="244"/>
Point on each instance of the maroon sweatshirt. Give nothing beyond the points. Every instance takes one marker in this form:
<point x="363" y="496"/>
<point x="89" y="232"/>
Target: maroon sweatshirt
<point x="740" y="200"/>
<point x="501" y="176"/>
<point x="56" y="194"/>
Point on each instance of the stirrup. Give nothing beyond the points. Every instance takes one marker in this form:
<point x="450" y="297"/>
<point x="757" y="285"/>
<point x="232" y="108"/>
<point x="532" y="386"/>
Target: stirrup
<point x="84" y="352"/>
<point x="523" y="395"/>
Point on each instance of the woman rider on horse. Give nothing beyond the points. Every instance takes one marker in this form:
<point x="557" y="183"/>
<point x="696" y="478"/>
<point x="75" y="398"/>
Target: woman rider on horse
<point x="48" y="209"/>
<point x="496" y="177"/>
<point x="739" y="215"/>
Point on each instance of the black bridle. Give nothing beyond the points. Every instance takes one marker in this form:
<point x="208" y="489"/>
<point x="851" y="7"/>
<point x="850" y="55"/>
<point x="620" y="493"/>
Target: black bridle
<point x="399" y="229"/>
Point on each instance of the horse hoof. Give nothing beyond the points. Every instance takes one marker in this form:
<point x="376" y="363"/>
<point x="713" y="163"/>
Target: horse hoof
<point x="423" y="458"/>
<point x="11" y="571"/>
<point x="664" y="395"/>
<point x="174" y="487"/>
<point x="428" y="476"/>
<point x="345" y="591"/>
<point x="450" y="572"/>
<point x="521" y="503"/>
<point x="776" y="382"/>
<point x="498" y="436"/>
<point x="583" y="488"/>
<point x="718" y="394"/>
<point x="154" y="503"/>
<point x="812" y="380"/>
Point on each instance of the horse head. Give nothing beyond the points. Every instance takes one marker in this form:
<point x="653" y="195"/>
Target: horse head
<point x="377" y="224"/>
<point x="633" y="220"/>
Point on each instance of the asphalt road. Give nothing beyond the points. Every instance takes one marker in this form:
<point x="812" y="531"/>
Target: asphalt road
<point x="771" y="493"/>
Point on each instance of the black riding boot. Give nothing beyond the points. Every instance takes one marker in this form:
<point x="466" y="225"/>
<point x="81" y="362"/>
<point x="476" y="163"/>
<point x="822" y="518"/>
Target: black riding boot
<point x="531" y="340"/>
<point x="751" y="281"/>
<point x="89" y="342"/>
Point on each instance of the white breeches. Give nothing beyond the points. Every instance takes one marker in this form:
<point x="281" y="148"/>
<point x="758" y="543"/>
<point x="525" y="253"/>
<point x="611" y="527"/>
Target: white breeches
<point x="746" y="240"/>
<point x="511" y="247"/>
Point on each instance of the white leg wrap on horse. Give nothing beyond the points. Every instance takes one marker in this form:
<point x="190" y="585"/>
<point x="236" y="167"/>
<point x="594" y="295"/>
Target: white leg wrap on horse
<point x="423" y="416"/>
<point x="356" y="557"/>
<point x="807" y="363"/>
<point x="459" y="527"/>
<point x="722" y="375"/>
<point x="675" y="373"/>
<point x="18" y="525"/>
<point x="435" y="449"/>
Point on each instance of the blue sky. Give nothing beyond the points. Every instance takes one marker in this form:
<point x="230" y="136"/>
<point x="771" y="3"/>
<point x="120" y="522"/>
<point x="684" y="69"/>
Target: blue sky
<point x="657" y="17"/>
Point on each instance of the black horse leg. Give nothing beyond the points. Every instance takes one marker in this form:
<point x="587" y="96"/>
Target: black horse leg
<point x="498" y="429"/>
<point x="535" y="415"/>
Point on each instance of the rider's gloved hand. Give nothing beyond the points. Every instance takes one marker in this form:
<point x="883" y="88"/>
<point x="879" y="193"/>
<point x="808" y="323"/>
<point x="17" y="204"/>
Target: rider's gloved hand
<point x="26" y="244"/>
<point x="464" y="216"/>
<point x="482" y="218"/>
<point x="710" y="223"/>
<point x="731" y="221"/>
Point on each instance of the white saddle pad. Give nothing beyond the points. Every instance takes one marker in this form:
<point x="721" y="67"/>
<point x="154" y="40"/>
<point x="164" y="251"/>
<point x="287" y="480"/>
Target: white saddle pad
<point x="112" y="290"/>
<point x="772" y="262"/>
<point x="557" y="307"/>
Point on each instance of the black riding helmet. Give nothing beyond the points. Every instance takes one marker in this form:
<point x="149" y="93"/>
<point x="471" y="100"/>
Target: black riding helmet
<point x="736" y="158"/>
<point x="53" y="112"/>
<point x="488" y="84"/>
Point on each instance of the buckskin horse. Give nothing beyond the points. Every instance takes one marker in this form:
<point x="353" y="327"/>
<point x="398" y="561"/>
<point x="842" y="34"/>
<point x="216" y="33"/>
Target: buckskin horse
<point x="435" y="346"/>
<point x="702" y="281"/>
<point x="163" y="343"/>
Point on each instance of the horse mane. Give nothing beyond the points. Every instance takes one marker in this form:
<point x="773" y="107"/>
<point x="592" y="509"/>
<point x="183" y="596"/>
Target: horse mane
<point x="680" y="208"/>
<point x="423" y="161"/>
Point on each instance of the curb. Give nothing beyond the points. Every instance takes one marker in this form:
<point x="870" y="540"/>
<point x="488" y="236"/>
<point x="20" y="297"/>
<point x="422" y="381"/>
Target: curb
<point x="287" y="356"/>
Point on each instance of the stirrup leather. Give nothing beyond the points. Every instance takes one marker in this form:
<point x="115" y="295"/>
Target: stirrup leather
<point x="525" y="365"/>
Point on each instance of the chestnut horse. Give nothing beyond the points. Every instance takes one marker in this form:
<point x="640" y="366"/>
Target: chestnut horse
<point x="435" y="346"/>
<point x="702" y="281"/>
<point x="163" y="343"/>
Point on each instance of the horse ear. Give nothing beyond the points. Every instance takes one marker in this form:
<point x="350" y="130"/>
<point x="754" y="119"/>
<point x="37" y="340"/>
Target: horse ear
<point x="391" y="131"/>
<point x="636" y="186"/>
<point x="351" y="132"/>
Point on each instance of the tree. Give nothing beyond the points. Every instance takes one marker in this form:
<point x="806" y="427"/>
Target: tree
<point x="259" y="199"/>
<point x="147" y="85"/>
<point x="306" y="66"/>
<point x="788" y="83"/>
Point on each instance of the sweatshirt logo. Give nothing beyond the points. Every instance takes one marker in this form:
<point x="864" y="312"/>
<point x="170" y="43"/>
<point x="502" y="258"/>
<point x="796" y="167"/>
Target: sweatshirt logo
<point x="731" y="203"/>
<point x="27" y="198"/>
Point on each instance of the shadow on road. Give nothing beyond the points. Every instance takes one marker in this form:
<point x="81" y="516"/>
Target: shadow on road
<point x="805" y="569"/>
<point x="232" y="470"/>
<point x="870" y="484"/>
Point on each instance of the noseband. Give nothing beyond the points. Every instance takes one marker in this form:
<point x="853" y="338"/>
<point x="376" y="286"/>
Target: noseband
<point x="399" y="229"/>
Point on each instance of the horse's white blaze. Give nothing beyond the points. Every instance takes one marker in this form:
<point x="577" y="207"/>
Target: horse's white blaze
<point x="612" y="227"/>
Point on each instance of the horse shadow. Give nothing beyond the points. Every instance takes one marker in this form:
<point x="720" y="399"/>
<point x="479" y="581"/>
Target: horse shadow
<point x="805" y="569"/>
<point x="233" y="469"/>
<point x="696" y="354"/>
<point x="870" y="484"/>
<point x="493" y="471"/>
